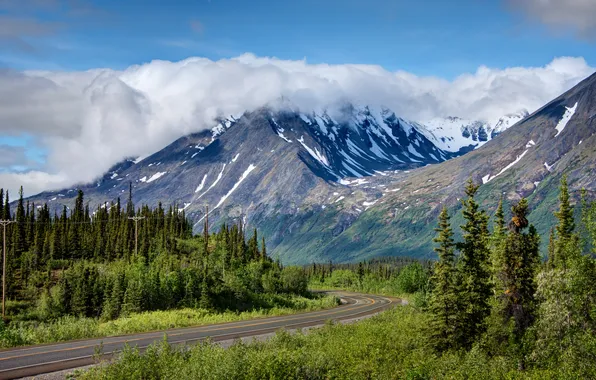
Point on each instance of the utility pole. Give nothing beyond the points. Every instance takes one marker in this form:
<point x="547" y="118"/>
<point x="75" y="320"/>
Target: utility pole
<point x="4" y="223"/>
<point x="207" y="227"/>
<point x="136" y="220"/>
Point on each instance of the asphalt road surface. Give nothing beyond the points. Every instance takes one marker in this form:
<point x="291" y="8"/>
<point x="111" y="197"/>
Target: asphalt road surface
<point x="36" y="360"/>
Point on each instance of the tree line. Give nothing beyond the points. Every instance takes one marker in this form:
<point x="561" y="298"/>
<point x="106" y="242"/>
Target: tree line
<point x="493" y="291"/>
<point x="83" y="263"/>
<point x="38" y="240"/>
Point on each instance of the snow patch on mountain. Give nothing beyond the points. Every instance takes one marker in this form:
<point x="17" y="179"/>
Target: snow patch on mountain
<point x="569" y="112"/>
<point x="314" y="153"/>
<point x="202" y="184"/>
<point x="251" y="167"/>
<point x="487" y="179"/>
<point x="156" y="176"/>
<point x="214" y="183"/>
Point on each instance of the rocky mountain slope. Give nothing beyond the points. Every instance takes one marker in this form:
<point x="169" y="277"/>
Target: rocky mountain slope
<point x="359" y="183"/>
<point x="525" y="161"/>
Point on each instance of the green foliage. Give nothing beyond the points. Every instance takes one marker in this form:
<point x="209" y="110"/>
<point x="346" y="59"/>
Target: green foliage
<point x="412" y="278"/>
<point x="389" y="346"/>
<point x="444" y="301"/>
<point x="70" y="327"/>
<point x="474" y="285"/>
<point x="388" y="276"/>
<point x="294" y="280"/>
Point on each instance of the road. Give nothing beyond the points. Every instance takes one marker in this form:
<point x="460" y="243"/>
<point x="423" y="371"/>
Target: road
<point x="36" y="360"/>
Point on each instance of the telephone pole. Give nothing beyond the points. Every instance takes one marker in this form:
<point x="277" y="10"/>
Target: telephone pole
<point x="136" y="220"/>
<point x="4" y="223"/>
<point x="206" y="231"/>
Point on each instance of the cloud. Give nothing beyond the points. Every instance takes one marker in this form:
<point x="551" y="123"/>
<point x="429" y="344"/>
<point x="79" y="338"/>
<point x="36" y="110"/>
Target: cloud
<point x="576" y="15"/>
<point x="87" y="121"/>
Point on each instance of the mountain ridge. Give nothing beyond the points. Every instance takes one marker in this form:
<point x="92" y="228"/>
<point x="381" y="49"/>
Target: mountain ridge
<point x="320" y="188"/>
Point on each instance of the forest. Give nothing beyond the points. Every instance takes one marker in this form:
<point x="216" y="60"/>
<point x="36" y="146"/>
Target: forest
<point x="490" y="307"/>
<point x="81" y="268"/>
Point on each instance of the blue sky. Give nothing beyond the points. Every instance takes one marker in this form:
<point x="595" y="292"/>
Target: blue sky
<point x="432" y="37"/>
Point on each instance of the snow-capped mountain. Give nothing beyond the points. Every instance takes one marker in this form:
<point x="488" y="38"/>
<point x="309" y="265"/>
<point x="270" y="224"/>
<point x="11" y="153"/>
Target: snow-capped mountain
<point x="453" y="134"/>
<point x="292" y="174"/>
<point x="364" y="141"/>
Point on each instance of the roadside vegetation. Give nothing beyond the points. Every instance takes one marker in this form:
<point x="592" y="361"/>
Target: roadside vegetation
<point x="390" y="276"/>
<point x="84" y="274"/>
<point x="492" y="310"/>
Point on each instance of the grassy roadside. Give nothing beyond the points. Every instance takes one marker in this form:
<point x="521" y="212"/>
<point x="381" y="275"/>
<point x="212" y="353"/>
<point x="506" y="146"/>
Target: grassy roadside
<point x="71" y="328"/>
<point x="391" y="345"/>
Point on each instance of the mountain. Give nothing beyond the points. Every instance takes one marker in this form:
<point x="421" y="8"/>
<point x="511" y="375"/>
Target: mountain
<point x="453" y="133"/>
<point x="525" y="161"/>
<point x="264" y="150"/>
<point x="360" y="182"/>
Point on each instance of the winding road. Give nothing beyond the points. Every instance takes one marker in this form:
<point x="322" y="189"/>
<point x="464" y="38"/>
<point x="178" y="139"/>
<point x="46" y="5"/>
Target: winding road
<point x="35" y="360"/>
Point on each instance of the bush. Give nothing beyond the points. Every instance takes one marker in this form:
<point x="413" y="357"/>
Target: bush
<point x="343" y="278"/>
<point x="412" y="278"/>
<point x="294" y="280"/>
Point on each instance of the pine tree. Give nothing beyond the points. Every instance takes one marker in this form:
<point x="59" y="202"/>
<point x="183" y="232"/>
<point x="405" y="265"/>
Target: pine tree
<point x="566" y="243"/>
<point x="550" y="261"/>
<point x="516" y="278"/>
<point x="444" y="300"/>
<point x="7" y="215"/>
<point x="133" y="297"/>
<point x="497" y="239"/>
<point x="205" y="300"/>
<point x="253" y="246"/>
<point x="263" y="249"/>
<point x="360" y="274"/>
<point x="473" y="270"/>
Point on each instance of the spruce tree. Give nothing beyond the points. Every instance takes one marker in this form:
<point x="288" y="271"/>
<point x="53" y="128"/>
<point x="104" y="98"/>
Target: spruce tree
<point x="473" y="270"/>
<point x="497" y="240"/>
<point x="263" y="249"/>
<point x="443" y="301"/>
<point x="360" y="274"/>
<point x="566" y="243"/>
<point x="253" y="247"/>
<point x="516" y="278"/>
<point x="205" y="300"/>
<point x="550" y="260"/>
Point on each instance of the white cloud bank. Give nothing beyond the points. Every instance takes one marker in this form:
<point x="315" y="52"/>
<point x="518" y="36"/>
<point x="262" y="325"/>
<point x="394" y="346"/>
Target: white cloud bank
<point x="88" y="121"/>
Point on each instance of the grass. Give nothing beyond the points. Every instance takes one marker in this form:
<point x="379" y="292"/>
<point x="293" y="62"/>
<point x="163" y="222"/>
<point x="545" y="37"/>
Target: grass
<point x="70" y="328"/>
<point x="392" y="345"/>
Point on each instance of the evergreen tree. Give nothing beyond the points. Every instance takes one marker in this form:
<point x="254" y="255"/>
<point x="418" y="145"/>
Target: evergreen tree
<point x="133" y="297"/>
<point x="253" y="246"/>
<point x="566" y="241"/>
<point x="473" y="270"/>
<point x="550" y="260"/>
<point x="444" y="301"/>
<point x="263" y="249"/>
<point x="497" y="240"/>
<point x="360" y="274"/>
<point x="205" y="300"/>
<point x="516" y="277"/>
<point x="7" y="215"/>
